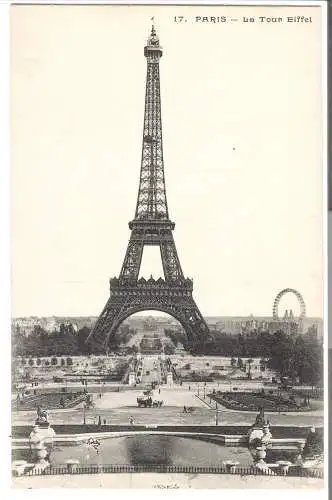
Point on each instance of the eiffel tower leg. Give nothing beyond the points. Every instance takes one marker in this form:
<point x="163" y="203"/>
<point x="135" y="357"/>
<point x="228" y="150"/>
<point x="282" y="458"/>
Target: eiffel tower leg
<point x="133" y="258"/>
<point x="108" y="318"/>
<point x="197" y="326"/>
<point x="170" y="260"/>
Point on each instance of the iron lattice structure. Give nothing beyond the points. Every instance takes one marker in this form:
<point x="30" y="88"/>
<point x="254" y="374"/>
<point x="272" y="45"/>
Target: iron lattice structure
<point x="151" y="226"/>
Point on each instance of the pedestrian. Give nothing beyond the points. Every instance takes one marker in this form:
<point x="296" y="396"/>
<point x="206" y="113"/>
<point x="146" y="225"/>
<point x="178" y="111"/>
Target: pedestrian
<point x="189" y="388"/>
<point x="131" y="421"/>
<point x="184" y="409"/>
<point x="99" y="421"/>
<point x="104" y="421"/>
<point x="159" y="390"/>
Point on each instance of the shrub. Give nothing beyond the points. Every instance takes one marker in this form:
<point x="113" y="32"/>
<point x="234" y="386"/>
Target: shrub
<point x="54" y="361"/>
<point x="63" y="362"/>
<point x="31" y="363"/>
<point x="69" y="362"/>
<point x="47" y="363"/>
<point x="38" y="361"/>
<point x="314" y="445"/>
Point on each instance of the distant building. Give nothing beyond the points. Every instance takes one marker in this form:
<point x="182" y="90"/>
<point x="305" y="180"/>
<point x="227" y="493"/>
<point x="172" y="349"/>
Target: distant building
<point x="50" y="324"/>
<point x="222" y="325"/>
<point x="234" y="325"/>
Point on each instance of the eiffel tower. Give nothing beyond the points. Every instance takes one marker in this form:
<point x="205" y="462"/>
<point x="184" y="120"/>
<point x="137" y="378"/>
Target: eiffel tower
<point x="151" y="226"/>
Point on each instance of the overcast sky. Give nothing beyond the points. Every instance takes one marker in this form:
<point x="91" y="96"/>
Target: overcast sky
<point x="242" y="147"/>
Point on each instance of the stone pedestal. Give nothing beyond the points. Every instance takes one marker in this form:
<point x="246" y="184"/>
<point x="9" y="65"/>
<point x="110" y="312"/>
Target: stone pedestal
<point x="169" y="379"/>
<point x="231" y="466"/>
<point x="284" y="466"/>
<point x="18" y="467"/>
<point x="41" y="442"/>
<point x="267" y="436"/>
<point x="260" y="453"/>
<point x="72" y="465"/>
<point x="255" y="433"/>
<point x="132" y="378"/>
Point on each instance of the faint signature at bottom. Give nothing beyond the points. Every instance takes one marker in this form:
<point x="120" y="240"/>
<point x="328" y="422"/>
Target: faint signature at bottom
<point x="166" y="486"/>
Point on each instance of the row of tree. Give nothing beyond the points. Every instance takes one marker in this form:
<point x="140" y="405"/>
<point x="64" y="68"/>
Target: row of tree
<point x="298" y="356"/>
<point x="293" y="356"/>
<point x="65" y="341"/>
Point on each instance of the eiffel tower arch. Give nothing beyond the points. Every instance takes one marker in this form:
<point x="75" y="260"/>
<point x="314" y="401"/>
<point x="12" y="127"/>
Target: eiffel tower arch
<point x="151" y="226"/>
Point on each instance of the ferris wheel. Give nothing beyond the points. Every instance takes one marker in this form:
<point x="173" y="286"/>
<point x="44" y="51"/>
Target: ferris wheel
<point x="279" y="297"/>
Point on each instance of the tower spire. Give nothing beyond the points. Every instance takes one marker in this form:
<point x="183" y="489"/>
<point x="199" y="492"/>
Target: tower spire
<point x="153" y="28"/>
<point x="151" y="199"/>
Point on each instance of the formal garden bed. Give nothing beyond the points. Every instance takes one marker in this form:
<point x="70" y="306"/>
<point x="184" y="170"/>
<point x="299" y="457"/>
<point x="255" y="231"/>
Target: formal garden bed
<point x="245" y="401"/>
<point x="51" y="401"/>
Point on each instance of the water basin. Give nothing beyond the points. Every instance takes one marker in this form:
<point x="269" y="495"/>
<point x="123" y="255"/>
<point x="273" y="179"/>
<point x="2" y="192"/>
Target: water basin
<point x="151" y="449"/>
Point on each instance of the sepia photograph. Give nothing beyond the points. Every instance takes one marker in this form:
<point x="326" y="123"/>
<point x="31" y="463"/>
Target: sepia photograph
<point x="168" y="245"/>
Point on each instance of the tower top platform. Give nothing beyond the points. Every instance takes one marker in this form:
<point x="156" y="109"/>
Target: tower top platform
<point x="152" y="49"/>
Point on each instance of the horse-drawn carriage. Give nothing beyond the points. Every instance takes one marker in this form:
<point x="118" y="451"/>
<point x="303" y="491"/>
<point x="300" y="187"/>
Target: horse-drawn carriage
<point x="147" y="402"/>
<point x="157" y="404"/>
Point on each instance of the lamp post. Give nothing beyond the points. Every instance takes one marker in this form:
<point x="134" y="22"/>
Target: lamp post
<point x="204" y="391"/>
<point x="198" y="390"/>
<point x="217" y="420"/>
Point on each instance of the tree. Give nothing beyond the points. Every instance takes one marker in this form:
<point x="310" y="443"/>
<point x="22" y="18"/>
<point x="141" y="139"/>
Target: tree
<point x="31" y="362"/>
<point x="262" y="364"/>
<point x="239" y="363"/>
<point x="82" y="336"/>
<point x="233" y="362"/>
<point x="69" y="362"/>
<point x="38" y="361"/>
<point x="169" y="349"/>
<point x="54" y="361"/>
<point x="314" y="444"/>
<point x="250" y="361"/>
<point x="300" y="357"/>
